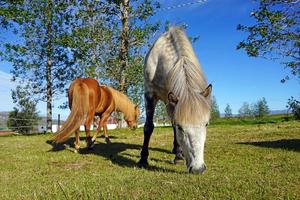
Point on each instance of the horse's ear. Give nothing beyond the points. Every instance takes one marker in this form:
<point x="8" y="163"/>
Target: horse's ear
<point x="207" y="91"/>
<point x="173" y="100"/>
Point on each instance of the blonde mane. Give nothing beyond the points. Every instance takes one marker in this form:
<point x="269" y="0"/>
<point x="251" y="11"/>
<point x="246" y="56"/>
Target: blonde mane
<point x="186" y="81"/>
<point x="123" y="104"/>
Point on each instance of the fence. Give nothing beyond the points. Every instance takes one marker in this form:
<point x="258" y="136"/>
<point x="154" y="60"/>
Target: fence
<point x="41" y="125"/>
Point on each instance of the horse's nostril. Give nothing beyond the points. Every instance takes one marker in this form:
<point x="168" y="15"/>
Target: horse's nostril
<point x="197" y="171"/>
<point x="204" y="167"/>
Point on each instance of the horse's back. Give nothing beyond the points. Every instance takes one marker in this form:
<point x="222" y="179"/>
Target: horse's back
<point x="93" y="88"/>
<point x="162" y="56"/>
<point x="154" y="72"/>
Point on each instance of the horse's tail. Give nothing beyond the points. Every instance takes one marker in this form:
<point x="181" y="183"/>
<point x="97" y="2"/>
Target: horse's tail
<point x="79" y="112"/>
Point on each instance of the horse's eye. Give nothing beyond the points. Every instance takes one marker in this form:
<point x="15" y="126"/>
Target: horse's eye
<point x="180" y="128"/>
<point x="206" y="124"/>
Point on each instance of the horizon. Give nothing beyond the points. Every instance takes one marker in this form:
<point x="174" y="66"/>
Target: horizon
<point x="236" y="78"/>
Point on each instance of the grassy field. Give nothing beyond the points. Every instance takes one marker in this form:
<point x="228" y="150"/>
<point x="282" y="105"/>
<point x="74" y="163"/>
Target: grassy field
<point x="258" y="161"/>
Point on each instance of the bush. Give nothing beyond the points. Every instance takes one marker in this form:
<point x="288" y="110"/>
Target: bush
<point x="294" y="106"/>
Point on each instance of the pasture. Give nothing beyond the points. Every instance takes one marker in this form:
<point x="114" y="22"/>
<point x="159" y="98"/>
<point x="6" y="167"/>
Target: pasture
<point x="254" y="161"/>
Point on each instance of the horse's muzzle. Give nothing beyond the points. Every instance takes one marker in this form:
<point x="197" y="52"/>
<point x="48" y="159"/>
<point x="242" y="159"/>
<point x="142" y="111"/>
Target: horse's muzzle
<point x="199" y="170"/>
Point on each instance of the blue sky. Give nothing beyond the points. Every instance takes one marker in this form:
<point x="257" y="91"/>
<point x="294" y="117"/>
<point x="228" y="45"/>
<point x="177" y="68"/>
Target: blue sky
<point x="236" y="78"/>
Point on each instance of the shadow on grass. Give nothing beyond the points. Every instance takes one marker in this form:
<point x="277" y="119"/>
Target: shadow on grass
<point x="287" y="144"/>
<point x="112" y="152"/>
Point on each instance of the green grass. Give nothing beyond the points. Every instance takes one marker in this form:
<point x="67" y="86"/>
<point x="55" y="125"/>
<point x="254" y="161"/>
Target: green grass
<point x="252" y="121"/>
<point x="260" y="161"/>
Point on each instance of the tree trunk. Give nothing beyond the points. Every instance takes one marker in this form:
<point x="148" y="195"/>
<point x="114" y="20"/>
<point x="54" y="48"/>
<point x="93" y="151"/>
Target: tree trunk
<point x="124" y="45"/>
<point x="49" y="68"/>
<point x="124" y="52"/>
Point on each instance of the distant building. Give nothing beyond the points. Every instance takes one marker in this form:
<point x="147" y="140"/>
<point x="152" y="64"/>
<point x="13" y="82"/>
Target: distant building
<point x="43" y="128"/>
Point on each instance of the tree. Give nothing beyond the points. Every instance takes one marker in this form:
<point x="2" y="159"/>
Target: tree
<point x="61" y="40"/>
<point x="215" y="113"/>
<point x="10" y="12"/>
<point x="276" y="33"/>
<point x="228" y="111"/>
<point x="40" y="59"/>
<point x="261" y="108"/>
<point x="131" y="31"/>
<point x="294" y="106"/>
<point x="24" y="116"/>
<point x="108" y="40"/>
<point x="245" y="110"/>
<point x="88" y="37"/>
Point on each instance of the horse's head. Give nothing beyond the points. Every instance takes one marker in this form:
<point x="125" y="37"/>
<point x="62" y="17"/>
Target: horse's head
<point x="133" y="119"/>
<point x="190" y="125"/>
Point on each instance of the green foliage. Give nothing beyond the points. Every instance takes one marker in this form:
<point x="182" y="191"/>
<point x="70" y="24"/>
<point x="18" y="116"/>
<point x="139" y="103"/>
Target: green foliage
<point x="10" y="12"/>
<point x="88" y="36"/>
<point x="261" y="108"/>
<point x="41" y="48"/>
<point x="276" y="33"/>
<point x="24" y="117"/>
<point x="124" y="63"/>
<point x="40" y="57"/>
<point x="294" y="106"/>
<point x="228" y="111"/>
<point x="245" y="110"/>
<point x="215" y="113"/>
<point x="270" y="119"/>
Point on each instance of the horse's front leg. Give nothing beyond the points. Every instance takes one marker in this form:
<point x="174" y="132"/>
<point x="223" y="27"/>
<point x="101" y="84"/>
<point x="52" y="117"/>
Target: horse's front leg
<point x="150" y="103"/>
<point x="177" y="150"/>
<point x="98" y="130"/>
<point x="102" y="123"/>
<point x="107" y="140"/>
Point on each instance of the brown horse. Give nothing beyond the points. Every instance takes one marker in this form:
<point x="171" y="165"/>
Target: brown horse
<point x="84" y="96"/>
<point x="86" y="99"/>
<point x="113" y="100"/>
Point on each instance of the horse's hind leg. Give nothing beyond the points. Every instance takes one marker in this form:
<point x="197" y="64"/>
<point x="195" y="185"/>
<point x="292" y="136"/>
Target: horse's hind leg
<point x="150" y="103"/>
<point x="177" y="150"/>
<point x="77" y="141"/>
<point x="87" y="127"/>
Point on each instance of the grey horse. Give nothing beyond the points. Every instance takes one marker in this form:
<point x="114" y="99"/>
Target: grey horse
<point x="173" y="74"/>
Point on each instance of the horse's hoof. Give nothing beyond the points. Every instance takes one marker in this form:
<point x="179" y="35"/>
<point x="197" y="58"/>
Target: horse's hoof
<point x="178" y="159"/>
<point x="76" y="151"/>
<point x="143" y="164"/>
